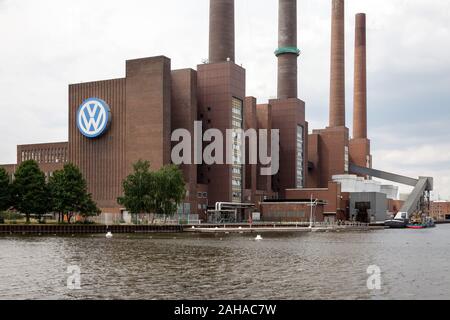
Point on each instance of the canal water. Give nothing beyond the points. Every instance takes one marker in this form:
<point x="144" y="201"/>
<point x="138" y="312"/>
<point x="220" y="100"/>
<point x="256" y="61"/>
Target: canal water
<point x="413" y="264"/>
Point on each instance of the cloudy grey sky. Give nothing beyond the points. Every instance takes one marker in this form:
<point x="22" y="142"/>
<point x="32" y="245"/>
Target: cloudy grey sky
<point x="48" y="44"/>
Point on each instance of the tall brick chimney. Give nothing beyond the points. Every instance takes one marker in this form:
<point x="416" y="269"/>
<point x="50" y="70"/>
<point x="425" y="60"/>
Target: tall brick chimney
<point x="359" y="146"/>
<point x="360" y="89"/>
<point x="337" y="87"/>
<point x="221" y="31"/>
<point x="287" y="51"/>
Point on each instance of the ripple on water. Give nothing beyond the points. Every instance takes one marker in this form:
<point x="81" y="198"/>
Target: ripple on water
<point x="291" y="266"/>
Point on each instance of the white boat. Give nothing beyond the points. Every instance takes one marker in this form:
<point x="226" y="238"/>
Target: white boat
<point x="400" y="221"/>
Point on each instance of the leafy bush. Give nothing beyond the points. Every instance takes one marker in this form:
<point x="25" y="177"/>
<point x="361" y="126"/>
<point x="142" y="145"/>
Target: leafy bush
<point x="158" y="192"/>
<point x="8" y="215"/>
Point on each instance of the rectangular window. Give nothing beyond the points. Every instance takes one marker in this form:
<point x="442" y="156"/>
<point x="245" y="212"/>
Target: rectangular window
<point x="237" y="168"/>
<point x="300" y="157"/>
<point x="346" y="168"/>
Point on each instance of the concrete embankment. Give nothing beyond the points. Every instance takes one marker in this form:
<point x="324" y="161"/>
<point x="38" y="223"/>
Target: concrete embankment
<point x="51" y="229"/>
<point x="278" y="228"/>
<point x="87" y="229"/>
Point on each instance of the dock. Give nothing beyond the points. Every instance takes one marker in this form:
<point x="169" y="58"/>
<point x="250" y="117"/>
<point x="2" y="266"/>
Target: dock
<point x="72" y="229"/>
<point x="64" y="229"/>
<point x="288" y="228"/>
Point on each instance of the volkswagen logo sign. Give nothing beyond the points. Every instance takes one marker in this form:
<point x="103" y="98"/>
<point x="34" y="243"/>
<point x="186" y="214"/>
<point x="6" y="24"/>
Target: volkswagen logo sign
<point x="93" y="117"/>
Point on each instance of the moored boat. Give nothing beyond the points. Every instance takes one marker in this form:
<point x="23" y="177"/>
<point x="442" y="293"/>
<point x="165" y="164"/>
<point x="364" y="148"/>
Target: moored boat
<point x="416" y="226"/>
<point x="399" y="222"/>
<point x="426" y="222"/>
<point x="396" y="223"/>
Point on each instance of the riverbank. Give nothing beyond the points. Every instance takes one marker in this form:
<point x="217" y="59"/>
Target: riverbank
<point x="86" y="229"/>
<point x="52" y="229"/>
<point x="280" y="228"/>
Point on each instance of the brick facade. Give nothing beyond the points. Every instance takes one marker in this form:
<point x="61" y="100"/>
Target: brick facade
<point x="440" y="210"/>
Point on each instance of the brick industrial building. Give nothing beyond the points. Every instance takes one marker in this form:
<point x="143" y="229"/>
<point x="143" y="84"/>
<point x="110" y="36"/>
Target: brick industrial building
<point x="440" y="210"/>
<point x="152" y="101"/>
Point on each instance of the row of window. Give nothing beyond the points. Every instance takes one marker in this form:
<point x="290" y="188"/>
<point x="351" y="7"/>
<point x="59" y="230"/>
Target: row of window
<point x="237" y="160"/>
<point x="237" y="182"/>
<point x="57" y="155"/>
<point x="237" y="107"/>
<point x="347" y="160"/>
<point x="203" y="195"/>
<point x="300" y="148"/>
<point x="237" y="123"/>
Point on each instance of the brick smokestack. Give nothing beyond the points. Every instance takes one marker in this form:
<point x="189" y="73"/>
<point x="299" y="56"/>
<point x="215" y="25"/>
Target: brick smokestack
<point x="287" y="51"/>
<point x="360" y="90"/>
<point x="221" y="30"/>
<point x="337" y="88"/>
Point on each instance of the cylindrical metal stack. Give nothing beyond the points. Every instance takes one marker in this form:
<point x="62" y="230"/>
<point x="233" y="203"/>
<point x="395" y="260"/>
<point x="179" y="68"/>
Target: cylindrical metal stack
<point x="221" y="31"/>
<point x="287" y="52"/>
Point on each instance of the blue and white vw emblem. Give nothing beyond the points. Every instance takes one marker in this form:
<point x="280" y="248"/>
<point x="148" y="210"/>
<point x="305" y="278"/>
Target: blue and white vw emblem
<point x="93" y="117"/>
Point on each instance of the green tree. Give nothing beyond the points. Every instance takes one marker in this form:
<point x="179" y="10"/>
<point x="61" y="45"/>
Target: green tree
<point x="138" y="189"/>
<point x="57" y="188"/>
<point x="88" y="208"/>
<point x="153" y="192"/>
<point x="30" y="194"/>
<point x="5" y="190"/>
<point x="69" y="196"/>
<point x="170" y="190"/>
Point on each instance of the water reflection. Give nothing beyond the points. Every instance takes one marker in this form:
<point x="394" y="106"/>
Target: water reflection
<point x="414" y="264"/>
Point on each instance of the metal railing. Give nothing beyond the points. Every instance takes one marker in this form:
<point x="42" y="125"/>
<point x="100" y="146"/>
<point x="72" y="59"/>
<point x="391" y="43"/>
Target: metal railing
<point x="315" y="224"/>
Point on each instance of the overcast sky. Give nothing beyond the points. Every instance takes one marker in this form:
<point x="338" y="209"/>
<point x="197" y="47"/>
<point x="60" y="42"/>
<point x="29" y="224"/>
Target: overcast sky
<point x="48" y="44"/>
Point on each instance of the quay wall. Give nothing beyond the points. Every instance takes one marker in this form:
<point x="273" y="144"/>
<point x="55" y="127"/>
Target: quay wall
<point x="87" y="229"/>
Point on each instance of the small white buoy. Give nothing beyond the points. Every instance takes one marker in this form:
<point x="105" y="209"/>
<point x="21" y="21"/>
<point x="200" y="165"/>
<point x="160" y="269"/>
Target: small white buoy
<point x="109" y="235"/>
<point x="240" y="228"/>
<point x="193" y="227"/>
<point x="258" y="237"/>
